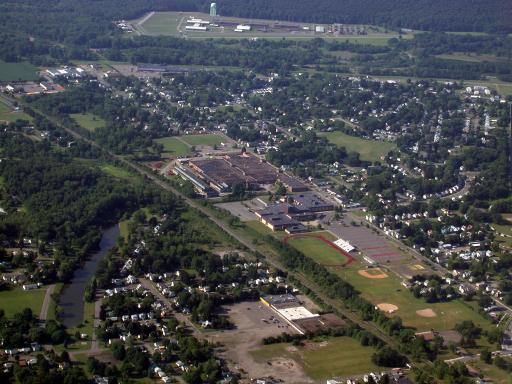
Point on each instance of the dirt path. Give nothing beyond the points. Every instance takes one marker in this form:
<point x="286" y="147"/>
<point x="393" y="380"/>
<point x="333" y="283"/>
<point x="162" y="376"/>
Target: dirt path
<point x="46" y="302"/>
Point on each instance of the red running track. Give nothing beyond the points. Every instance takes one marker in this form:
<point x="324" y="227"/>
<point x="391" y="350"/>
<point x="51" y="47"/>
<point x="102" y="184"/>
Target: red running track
<point x="350" y="258"/>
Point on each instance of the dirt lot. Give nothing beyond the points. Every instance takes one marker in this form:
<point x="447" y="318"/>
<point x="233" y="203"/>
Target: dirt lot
<point x="250" y="330"/>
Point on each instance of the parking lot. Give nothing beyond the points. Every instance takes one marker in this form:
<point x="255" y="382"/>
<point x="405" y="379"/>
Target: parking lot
<point x="376" y="246"/>
<point x="253" y="322"/>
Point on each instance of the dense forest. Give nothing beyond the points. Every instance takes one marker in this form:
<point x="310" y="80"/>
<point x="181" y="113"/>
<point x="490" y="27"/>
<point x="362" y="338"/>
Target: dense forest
<point x="89" y="24"/>
<point x="437" y="15"/>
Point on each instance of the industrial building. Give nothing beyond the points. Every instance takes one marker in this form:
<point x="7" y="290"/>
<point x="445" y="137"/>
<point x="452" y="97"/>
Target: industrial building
<point x="243" y="28"/>
<point x="288" y="214"/>
<point x="218" y="175"/>
<point x="291" y="310"/>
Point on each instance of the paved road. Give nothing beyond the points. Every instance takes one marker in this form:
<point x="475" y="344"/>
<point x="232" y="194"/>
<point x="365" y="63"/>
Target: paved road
<point x="225" y="227"/>
<point x="46" y="302"/>
<point x="179" y="316"/>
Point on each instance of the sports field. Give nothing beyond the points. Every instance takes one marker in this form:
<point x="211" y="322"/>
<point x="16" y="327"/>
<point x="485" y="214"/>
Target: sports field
<point x="15" y="300"/>
<point x="173" y="147"/>
<point x="89" y="121"/>
<point x="369" y="150"/>
<point x="390" y="291"/>
<point x="323" y="359"/>
<point x="208" y="139"/>
<point x="319" y="244"/>
<point x="17" y="71"/>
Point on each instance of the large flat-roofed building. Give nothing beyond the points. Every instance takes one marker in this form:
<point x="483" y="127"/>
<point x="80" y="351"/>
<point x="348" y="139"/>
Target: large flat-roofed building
<point x="311" y="202"/>
<point x="222" y="173"/>
<point x="288" y="214"/>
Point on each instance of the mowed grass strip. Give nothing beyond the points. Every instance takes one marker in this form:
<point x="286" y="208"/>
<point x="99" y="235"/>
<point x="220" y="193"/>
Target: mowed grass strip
<point x="323" y="359"/>
<point x="15" y="300"/>
<point x="173" y="147"/>
<point x="208" y="139"/>
<point x="369" y="150"/>
<point x="17" y="71"/>
<point x="88" y="121"/>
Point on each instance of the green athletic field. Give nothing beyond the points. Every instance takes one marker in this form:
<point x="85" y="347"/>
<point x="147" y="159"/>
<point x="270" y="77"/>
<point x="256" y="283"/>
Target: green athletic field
<point x="173" y="147"/>
<point x="369" y="150"/>
<point x="17" y="71"/>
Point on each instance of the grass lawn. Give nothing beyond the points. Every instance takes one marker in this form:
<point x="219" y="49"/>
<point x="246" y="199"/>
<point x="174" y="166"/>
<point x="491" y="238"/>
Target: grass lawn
<point x="10" y="116"/>
<point x="52" y="307"/>
<point x="88" y="120"/>
<point x="370" y="150"/>
<point x="15" y="300"/>
<point x="493" y="373"/>
<point x="325" y="254"/>
<point x="118" y="172"/>
<point x="503" y="234"/>
<point x="321" y="360"/>
<point x="17" y="71"/>
<point x="173" y="147"/>
<point x="204" y="139"/>
<point x="390" y="290"/>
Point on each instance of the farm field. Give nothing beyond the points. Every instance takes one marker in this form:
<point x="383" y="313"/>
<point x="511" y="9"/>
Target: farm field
<point x="173" y="147"/>
<point x="17" y="71"/>
<point x="7" y="115"/>
<point x="15" y="300"/>
<point x="173" y="23"/>
<point x="89" y="121"/>
<point x="369" y="150"/>
<point x="323" y="359"/>
<point x="208" y="139"/>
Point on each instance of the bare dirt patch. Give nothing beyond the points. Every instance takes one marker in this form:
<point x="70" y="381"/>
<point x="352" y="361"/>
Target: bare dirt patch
<point x="253" y="323"/>
<point x="374" y="273"/>
<point x="427" y="312"/>
<point x="387" y="307"/>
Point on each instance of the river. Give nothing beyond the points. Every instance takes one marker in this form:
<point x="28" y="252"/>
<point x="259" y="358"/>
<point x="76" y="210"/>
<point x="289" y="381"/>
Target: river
<point x="71" y="301"/>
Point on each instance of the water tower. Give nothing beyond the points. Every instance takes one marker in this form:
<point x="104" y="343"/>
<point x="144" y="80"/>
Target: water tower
<point x="213" y="9"/>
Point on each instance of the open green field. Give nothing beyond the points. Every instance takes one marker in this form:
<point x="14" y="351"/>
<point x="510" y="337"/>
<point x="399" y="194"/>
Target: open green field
<point x="321" y="360"/>
<point x="15" y="300"/>
<point x="88" y="121"/>
<point x="369" y="150"/>
<point x="118" y="172"/>
<point x="492" y="373"/>
<point x="325" y="254"/>
<point x="17" y="71"/>
<point x="173" y="147"/>
<point x="391" y="291"/>
<point x="173" y="23"/>
<point x="10" y="116"/>
<point x="208" y="139"/>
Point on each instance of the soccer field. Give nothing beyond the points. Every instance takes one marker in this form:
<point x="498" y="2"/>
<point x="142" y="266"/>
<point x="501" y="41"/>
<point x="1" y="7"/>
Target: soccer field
<point x="319" y="247"/>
